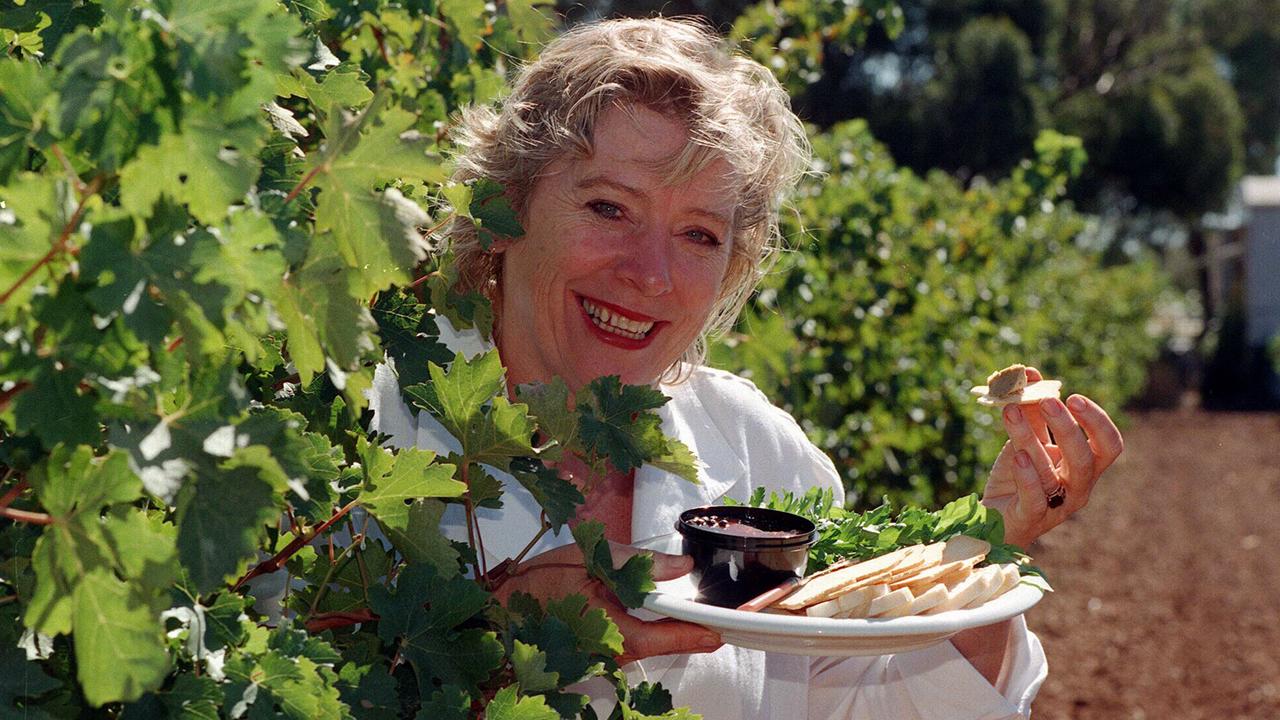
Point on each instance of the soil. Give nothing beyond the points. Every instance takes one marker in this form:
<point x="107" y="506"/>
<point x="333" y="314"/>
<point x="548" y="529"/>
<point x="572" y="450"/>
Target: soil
<point x="1167" y="601"/>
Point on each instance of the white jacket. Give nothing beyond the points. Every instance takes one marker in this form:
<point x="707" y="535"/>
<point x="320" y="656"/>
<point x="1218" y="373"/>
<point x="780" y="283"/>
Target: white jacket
<point x="744" y="442"/>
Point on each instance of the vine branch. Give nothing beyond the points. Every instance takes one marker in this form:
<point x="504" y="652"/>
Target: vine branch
<point x="31" y="518"/>
<point x="306" y="180"/>
<point x="61" y="245"/>
<point x="13" y="493"/>
<point x="277" y="561"/>
<point x="8" y="395"/>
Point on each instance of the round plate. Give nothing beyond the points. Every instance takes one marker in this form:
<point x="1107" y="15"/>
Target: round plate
<point x="798" y="635"/>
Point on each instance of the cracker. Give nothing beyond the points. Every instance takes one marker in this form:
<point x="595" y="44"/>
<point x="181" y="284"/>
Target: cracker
<point x="1032" y="393"/>
<point x="825" y="586"/>
<point x="890" y="602"/>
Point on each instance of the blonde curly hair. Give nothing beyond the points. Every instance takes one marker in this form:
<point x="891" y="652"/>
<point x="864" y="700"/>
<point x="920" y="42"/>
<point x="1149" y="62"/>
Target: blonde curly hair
<point x="733" y="107"/>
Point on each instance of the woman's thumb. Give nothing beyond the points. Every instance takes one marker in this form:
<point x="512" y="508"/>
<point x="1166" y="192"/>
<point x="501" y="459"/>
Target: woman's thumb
<point x="665" y="565"/>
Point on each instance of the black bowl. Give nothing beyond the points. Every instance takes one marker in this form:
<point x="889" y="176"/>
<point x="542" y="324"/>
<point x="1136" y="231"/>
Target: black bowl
<point x="739" y="552"/>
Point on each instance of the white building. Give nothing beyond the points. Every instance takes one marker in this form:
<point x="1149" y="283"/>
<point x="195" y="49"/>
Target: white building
<point x="1241" y="258"/>
<point x="1261" y="198"/>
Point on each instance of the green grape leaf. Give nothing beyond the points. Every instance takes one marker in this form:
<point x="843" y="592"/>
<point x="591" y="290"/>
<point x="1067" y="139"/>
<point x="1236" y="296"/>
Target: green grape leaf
<point x="648" y="701"/>
<point x="144" y="546"/>
<point x="223" y="626"/>
<point x="107" y="94"/>
<point x="192" y="698"/>
<point x="73" y="481"/>
<point x="221" y="522"/>
<point x="120" y="650"/>
<point x="530" y="667"/>
<point x="420" y="541"/>
<point x="558" y="497"/>
<point x="467" y="18"/>
<point x="492" y="213"/>
<point x="631" y="582"/>
<point x="342" y="86"/>
<point x="678" y="460"/>
<point x="55" y="409"/>
<point x="245" y="257"/>
<point x="422" y="617"/>
<point x="467" y="399"/>
<point x="306" y="695"/>
<point x="208" y="166"/>
<point x="27" y="85"/>
<point x="508" y="705"/>
<point x="447" y="703"/>
<point x="484" y="490"/>
<point x="122" y="280"/>
<point x="49" y="608"/>
<point x="592" y="629"/>
<point x="412" y="475"/>
<point x="75" y="487"/>
<point x="324" y="320"/>
<point x="614" y="422"/>
<point x="37" y="209"/>
<point x="463" y="309"/>
<point x="194" y="21"/>
<point x="530" y="22"/>
<point x="549" y="404"/>
<point x="351" y="208"/>
<point x="21" y="678"/>
<point x="573" y="638"/>
<point x="307" y="458"/>
<point x="409" y="336"/>
<point x="367" y="685"/>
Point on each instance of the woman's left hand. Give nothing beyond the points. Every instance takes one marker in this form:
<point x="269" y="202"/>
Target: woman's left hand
<point x="1033" y="465"/>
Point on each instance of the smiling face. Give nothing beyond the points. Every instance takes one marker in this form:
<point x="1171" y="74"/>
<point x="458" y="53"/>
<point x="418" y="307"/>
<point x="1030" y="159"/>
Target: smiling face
<point x="618" y="269"/>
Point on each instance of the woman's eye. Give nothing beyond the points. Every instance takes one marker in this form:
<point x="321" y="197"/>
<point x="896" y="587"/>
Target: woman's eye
<point x="703" y="237"/>
<point x="606" y="210"/>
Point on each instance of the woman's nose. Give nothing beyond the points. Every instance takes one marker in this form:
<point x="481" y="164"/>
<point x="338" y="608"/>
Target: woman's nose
<point x="646" y="265"/>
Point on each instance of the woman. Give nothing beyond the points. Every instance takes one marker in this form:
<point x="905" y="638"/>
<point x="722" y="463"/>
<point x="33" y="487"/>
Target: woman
<point x="647" y="165"/>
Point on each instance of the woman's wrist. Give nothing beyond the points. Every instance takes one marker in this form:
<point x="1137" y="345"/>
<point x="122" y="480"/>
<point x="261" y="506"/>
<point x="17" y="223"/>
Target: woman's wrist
<point x="986" y="648"/>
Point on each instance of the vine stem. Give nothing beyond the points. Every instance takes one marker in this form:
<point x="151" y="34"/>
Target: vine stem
<point x="8" y="395"/>
<point x="278" y="560"/>
<point x="76" y="182"/>
<point x="31" y="518"/>
<point x="61" y="245"/>
<point x="330" y="621"/>
<point x="546" y="527"/>
<point x="306" y="179"/>
<point x="13" y="493"/>
<point x="323" y="588"/>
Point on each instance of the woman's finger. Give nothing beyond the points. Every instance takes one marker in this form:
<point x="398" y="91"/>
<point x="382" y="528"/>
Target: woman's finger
<point x="1104" y="437"/>
<point x="1034" y="418"/>
<point x="1077" y="456"/>
<point x="1032" y="503"/>
<point x="665" y="566"/>
<point x="643" y="639"/>
<point x="1025" y="440"/>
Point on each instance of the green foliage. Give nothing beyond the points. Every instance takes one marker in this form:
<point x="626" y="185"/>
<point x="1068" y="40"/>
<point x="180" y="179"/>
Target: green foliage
<point x="967" y="85"/>
<point x="843" y="534"/>
<point x="213" y="223"/>
<point x="909" y="290"/>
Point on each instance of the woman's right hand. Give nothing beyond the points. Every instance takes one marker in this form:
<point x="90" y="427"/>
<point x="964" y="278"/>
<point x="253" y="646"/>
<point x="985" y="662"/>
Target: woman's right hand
<point x="560" y="572"/>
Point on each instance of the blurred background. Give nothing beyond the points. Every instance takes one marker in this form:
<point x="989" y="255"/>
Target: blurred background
<point x="1086" y="186"/>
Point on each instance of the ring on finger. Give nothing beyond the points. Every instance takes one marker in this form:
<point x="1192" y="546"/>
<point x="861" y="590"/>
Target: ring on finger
<point x="1057" y="497"/>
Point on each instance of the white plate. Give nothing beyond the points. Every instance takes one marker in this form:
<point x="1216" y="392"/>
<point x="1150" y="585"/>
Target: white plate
<point x="799" y="635"/>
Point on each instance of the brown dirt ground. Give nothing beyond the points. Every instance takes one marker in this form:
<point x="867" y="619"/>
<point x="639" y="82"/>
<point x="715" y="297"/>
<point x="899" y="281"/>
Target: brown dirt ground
<point x="1168" y="583"/>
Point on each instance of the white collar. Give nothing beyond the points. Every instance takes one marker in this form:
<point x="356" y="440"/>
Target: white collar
<point x="660" y="496"/>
